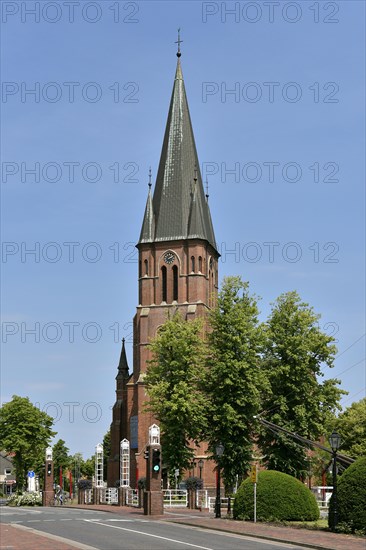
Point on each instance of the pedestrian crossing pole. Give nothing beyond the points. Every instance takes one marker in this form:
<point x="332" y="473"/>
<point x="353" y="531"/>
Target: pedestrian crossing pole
<point x="254" y="479"/>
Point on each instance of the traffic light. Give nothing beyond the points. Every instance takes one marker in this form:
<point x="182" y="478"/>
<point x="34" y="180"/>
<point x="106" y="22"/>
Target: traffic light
<point x="146" y="455"/>
<point x="49" y="468"/>
<point x="156" y="461"/>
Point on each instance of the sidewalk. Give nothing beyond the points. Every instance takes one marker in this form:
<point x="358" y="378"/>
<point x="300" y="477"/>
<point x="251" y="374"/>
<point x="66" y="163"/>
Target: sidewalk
<point x="322" y="540"/>
<point x="18" y="537"/>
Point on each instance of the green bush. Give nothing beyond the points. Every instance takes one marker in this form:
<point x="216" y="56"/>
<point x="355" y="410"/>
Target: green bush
<point x="351" y="499"/>
<point x="193" y="483"/>
<point x="26" y="499"/>
<point x="85" y="484"/>
<point x="280" y="497"/>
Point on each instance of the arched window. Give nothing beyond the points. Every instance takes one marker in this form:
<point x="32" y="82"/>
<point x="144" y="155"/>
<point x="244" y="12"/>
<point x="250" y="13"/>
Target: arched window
<point x="200" y="264"/>
<point x="175" y="283"/>
<point x="140" y="274"/>
<point x="192" y="264"/>
<point x="163" y="284"/>
<point x="146" y="263"/>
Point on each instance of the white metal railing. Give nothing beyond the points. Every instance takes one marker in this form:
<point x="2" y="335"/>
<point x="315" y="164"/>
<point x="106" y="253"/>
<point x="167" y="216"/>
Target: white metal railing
<point x="175" y="498"/>
<point x="88" y="496"/>
<point x="109" y="495"/>
<point x="322" y="494"/>
<point x="224" y="502"/>
<point x="202" y="498"/>
<point x="132" y="497"/>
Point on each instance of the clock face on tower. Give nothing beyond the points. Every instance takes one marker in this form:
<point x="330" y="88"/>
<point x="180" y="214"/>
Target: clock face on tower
<point x="169" y="258"/>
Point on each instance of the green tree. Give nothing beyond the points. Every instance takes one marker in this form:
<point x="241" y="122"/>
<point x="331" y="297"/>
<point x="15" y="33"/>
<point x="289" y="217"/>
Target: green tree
<point x="173" y="381"/>
<point x="88" y="467"/>
<point x="25" y="431"/>
<point x="61" y="459"/>
<point x="234" y="378"/>
<point x="351" y="426"/>
<point x="295" y="352"/>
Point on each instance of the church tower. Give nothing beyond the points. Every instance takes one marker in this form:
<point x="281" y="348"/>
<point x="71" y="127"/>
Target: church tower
<point x="178" y="271"/>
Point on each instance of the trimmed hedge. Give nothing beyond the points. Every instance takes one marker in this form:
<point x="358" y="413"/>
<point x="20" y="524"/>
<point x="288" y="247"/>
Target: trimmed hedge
<point x="351" y="498"/>
<point x="280" y="497"/>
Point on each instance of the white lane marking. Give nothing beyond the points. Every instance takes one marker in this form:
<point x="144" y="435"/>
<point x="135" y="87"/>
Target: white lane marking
<point x="153" y="536"/>
<point x="130" y="520"/>
<point x="33" y="521"/>
<point x="253" y="538"/>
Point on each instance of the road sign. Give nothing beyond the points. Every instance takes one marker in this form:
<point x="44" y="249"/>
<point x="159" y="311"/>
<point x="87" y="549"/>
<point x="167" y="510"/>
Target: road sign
<point x="30" y="473"/>
<point x="253" y="474"/>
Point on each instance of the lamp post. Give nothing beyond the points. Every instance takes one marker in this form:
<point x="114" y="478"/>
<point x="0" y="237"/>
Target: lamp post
<point x="219" y="452"/>
<point x="335" y="443"/>
<point x="200" y="465"/>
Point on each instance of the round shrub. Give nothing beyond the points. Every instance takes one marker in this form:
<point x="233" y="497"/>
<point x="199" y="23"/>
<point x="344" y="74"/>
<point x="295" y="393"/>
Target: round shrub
<point x="194" y="483"/>
<point x="351" y="498"/>
<point x="279" y="497"/>
<point x="85" y="484"/>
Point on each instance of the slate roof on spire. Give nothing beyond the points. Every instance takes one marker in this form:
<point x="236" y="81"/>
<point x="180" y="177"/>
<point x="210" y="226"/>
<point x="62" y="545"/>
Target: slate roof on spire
<point x="123" y="365"/>
<point x="148" y="225"/>
<point x="175" y="214"/>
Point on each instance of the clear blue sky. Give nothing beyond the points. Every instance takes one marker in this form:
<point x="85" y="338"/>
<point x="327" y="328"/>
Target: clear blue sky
<point x="285" y="152"/>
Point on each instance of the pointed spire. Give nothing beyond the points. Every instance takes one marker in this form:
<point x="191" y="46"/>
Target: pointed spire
<point x="195" y="219"/>
<point x="148" y="224"/>
<point x="123" y="365"/>
<point x="169" y="217"/>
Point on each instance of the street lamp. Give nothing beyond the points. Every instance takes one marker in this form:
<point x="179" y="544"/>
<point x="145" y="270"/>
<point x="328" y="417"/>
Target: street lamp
<point x="200" y="465"/>
<point x="219" y="452"/>
<point x="335" y="443"/>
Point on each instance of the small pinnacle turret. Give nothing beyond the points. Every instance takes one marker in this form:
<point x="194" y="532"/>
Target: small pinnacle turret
<point x="123" y="371"/>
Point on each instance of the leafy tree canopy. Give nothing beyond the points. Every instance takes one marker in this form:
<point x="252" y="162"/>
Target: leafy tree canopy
<point x="26" y="431"/>
<point x="295" y="352"/>
<point x="174" y="386"/>
<point x="61" y="458"/>
<point x="234" y="380"/>
<point x="351" y="426"/>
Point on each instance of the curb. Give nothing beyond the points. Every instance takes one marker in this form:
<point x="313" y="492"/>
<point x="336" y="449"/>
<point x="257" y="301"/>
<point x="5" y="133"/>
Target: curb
<point x="264" y="537"/>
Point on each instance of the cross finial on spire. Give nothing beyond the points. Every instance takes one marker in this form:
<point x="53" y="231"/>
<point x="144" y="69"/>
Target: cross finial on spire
<point x="207" y="195"/>
<point x="179" y="41"/>
<point x="149" y="178"/>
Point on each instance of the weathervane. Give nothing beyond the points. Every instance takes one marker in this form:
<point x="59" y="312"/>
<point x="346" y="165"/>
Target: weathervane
<point x="179" y="41"/>
<point x="149" y="178"/>
<point x="207" y="195"/>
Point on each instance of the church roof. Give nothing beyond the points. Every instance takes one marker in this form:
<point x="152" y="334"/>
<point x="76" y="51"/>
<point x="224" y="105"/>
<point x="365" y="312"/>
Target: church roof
<point x="123" y="365"/>
<point x="178" y="209"/>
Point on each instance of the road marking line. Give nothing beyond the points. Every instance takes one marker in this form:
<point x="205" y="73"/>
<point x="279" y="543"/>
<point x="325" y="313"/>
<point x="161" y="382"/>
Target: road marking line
<point x="153" y="536"/>
<point x="130" y="520"/>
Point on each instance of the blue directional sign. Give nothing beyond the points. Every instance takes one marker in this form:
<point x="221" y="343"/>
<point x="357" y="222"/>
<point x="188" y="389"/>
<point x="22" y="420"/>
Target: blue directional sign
<point x="30" y="473"/>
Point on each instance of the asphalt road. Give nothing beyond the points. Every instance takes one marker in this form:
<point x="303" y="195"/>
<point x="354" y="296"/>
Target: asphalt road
<point x="106" y="531"/>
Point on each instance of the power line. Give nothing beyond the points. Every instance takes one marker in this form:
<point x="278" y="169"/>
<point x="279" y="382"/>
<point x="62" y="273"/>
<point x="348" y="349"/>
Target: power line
<point x="349" y="368"/>
<point x="349" y="347"/>
<point x="274" y="428"/>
